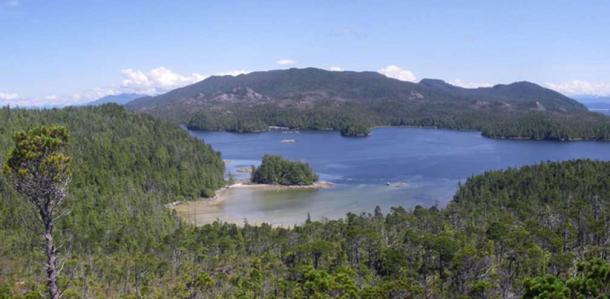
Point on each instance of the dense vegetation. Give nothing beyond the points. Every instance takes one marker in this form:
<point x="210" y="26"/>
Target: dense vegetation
<point x="355" y="129"/>
<point x="279" y="171"/>
<point x="353" y="102"/>
<point x="356" y="120"/>
<point x="532" y="231"/>
<point x="125" y="168"/>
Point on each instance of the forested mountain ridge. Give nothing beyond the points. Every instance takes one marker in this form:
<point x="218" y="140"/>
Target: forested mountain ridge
<point x="312" y="84"/>
<point x="354" y="101"/>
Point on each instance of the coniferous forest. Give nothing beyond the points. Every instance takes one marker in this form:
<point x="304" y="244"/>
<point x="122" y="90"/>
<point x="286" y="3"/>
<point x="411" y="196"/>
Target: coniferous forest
<point x="540" y="230"/>
<point x="357" y="120"/>
<point x="279" y="171"/>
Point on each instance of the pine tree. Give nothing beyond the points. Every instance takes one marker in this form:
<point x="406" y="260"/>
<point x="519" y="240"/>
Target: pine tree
<point x="41" y="172"/>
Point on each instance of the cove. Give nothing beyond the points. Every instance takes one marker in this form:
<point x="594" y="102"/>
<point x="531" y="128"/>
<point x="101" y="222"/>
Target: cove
<point x="423" y="167"/>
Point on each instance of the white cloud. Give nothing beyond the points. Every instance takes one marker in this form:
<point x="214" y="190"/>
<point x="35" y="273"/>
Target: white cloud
<point x="335" y="69"/>
<point x="93" y="94"/>
<point x="14" y="99"/>
<point x="8" y="96"/>
<point x="286" y="62"/>
<point x="152" y="82"/>
<point x="578" y="87"/>
<point x="231" y="73"/>
<point x="160" y="80"/>
<point x="460" y="83"/>
<point x="156" y="80"/>
<point x="396" y="72"/>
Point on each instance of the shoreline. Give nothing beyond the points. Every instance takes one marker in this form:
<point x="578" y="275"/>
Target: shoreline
<point x="514" y="138"/>
<point x="316" y="185"/>
<point x="218" y="198"/>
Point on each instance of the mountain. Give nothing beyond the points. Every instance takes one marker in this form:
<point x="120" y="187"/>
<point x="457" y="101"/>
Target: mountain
<point x="120" y="99"/>
<point x="318" y="99"/>
<point x="311" y="84"/>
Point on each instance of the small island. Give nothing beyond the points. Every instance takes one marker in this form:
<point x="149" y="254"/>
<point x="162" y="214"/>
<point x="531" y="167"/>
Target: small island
<point x="356" y="130"/>
<point x="275" y="170"/>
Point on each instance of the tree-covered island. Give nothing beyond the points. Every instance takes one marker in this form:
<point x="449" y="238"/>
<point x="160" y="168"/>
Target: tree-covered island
<point x="355" y="130"/>
<point x="276" y="170"/>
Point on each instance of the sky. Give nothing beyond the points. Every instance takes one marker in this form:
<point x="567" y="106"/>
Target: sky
<point x="57" y="52"/>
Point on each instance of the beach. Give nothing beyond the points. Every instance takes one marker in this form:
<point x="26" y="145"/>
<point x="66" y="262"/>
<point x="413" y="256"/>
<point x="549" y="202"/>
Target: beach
<point x="206" y="210"/>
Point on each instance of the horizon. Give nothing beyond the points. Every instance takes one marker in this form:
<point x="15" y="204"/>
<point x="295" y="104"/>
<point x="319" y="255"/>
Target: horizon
<point x="66" y="53"/>
<point x="582" y="98"/>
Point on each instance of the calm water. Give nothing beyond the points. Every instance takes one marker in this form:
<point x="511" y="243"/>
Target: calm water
<point x="423" y="166"/>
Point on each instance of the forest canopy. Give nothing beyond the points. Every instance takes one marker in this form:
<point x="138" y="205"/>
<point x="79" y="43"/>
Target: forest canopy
<point x="541" y="229"/>
<point x="357" y="120"/>
<point x="125" y="167"/>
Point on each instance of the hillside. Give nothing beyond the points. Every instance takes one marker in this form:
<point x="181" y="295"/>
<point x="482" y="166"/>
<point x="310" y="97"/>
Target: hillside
<point x="505" y="233"/>
<point x="126" y="167"/>
<point x="352" y="102"/>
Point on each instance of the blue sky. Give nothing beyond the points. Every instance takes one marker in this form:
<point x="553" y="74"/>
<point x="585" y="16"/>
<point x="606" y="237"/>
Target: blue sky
<point x="63" y="52"/>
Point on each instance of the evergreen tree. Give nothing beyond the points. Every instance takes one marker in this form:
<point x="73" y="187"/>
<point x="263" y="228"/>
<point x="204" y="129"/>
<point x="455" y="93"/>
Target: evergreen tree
<point x="277" y="170"/>
<point x="41" y="172"/>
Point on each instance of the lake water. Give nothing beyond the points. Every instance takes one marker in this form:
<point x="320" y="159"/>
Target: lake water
<point x="423" y="167"/>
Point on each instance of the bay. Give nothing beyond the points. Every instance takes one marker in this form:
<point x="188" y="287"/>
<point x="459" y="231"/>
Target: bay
<point x="422" y="167"/>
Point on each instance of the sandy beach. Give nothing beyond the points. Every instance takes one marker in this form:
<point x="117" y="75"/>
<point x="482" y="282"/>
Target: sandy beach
<point x="185" y="209"/>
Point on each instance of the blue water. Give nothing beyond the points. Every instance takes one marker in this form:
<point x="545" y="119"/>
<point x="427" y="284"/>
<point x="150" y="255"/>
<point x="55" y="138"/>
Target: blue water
<point x="423" y="166"/>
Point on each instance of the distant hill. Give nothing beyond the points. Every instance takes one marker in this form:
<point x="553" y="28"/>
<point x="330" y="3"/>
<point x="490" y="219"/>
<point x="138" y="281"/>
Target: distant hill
<point x="120" y="99"/>
<point x="318" y="99"/>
